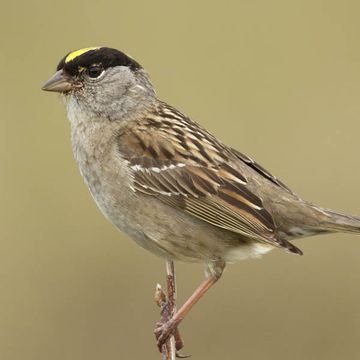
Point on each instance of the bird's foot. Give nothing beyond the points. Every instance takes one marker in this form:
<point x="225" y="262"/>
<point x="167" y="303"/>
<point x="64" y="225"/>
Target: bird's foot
<point x="163" y="331"/>
<point x="167" y="326"/>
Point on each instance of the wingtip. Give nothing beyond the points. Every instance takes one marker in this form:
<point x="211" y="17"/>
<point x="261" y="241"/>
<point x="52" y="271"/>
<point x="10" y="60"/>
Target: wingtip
<point x="293" y="249"/>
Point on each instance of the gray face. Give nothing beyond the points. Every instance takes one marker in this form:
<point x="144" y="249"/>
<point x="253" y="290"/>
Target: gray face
<point x="107" y="95"/>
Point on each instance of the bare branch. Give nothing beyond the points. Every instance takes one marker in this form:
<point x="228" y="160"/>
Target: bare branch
<point x="167" y="304"/>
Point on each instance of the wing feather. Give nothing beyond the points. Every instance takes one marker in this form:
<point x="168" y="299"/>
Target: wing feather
<point x="187" y="168"/>
<point x="208" y="196"/>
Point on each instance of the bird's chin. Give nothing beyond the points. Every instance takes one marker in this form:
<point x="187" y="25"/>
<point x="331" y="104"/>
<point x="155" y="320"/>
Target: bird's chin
<point x="75" y="94"/>
<point x="67" y="94"/>
<point x="69" y="100"/>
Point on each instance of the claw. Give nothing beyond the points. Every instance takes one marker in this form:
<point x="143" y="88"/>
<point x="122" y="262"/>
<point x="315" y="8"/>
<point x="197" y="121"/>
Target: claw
<point x="179" y="343"/>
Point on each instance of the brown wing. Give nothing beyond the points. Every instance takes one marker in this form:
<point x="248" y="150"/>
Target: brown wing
<point x="207" y="194"/>
<point x="259" y="169"/>
<point x="185" y="167"/>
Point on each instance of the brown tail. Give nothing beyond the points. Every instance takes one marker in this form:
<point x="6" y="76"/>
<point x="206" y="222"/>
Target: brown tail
<point x="337" y="222"/>
<point x="321" y="221"/>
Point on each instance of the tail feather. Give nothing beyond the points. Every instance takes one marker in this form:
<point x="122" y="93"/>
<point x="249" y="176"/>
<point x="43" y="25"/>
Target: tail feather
<point x="338" y="222"/>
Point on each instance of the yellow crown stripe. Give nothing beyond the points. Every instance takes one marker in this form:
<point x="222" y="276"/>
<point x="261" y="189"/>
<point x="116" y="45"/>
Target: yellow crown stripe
<point x="77" y="53"/>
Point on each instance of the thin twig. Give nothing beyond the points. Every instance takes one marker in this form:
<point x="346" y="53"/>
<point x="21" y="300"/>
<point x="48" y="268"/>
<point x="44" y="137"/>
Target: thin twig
<point x="167" y="304"/>
<point x="171" y="292"/>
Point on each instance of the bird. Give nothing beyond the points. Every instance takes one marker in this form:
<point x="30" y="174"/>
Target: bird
<point x="167" y="182"/>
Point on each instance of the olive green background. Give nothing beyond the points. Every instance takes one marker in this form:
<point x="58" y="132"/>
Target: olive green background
<point x="279" y="80"/>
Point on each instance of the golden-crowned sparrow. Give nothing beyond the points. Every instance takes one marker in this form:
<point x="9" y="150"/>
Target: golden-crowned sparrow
<point x="176" y="189"/>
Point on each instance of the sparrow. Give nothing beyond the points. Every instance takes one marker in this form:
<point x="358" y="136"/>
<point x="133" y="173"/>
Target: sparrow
<point x="170" y="184"/>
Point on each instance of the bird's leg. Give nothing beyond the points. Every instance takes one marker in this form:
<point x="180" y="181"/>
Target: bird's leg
<point x="165" y="329"/>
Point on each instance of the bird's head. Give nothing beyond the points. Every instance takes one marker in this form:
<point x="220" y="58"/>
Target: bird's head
<point x="102" y="81"/>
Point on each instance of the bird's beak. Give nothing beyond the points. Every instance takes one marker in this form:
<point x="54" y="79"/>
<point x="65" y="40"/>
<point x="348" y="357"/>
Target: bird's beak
<point x="59" y="82"/>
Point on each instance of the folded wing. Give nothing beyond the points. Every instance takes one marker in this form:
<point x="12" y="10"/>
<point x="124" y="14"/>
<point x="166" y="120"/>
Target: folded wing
<point x="187" y="168"/>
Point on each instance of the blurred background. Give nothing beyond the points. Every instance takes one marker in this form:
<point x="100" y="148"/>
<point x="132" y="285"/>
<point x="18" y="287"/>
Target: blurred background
<point x="279" y="80"/>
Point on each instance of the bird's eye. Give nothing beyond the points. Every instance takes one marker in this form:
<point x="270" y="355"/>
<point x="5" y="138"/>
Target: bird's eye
<point x="94" y="71"/>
